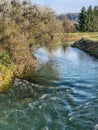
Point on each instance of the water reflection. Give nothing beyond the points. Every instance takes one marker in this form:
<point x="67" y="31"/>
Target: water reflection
<point x="61" y="95"/>
<point x="45" y="74"/>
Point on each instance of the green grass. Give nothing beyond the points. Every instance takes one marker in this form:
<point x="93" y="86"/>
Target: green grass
<point x="79" y="35"/>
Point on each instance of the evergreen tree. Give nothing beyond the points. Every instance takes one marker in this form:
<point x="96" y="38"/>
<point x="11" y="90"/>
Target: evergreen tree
<point x="90" y="20"/>
<point x="87" y="20"/>
<point x="82" y="19"/>
<point x="96" y="17"/>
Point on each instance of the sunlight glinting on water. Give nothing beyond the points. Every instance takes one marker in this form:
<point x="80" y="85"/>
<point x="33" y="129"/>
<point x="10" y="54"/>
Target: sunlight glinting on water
<point x="61" y="94"/>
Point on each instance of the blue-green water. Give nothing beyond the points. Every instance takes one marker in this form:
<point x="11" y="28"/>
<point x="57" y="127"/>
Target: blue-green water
<point x="62" y="94"/>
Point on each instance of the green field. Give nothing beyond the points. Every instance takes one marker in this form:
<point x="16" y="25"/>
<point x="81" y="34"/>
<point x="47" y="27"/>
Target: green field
<point x="79" y="35"/>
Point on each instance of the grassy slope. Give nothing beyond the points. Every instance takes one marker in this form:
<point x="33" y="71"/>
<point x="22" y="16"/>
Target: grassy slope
<point x="79" y="35"/>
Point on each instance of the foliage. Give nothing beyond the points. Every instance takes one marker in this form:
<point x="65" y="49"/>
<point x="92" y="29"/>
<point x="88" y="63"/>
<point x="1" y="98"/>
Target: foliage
<point x="28" y="23"/>
<point x="88" y="20"/>
<point x="96" y="17"/>
<point x="6" y="71"/>
<point x="82" y="19"/>
<point x="68" y="25"/>
<point x="24" y="26"/>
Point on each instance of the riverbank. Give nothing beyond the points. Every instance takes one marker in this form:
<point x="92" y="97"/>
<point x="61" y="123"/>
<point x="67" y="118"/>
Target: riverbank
<point x="29" y="28"/>
<point x="89" y="46"/>
<point x="78" y="35"/>
<point x="18" y="67"/>
<point x="7" y="68"/>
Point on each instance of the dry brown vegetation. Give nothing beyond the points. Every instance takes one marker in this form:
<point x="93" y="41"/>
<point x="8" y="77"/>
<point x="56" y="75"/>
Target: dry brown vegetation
<point x="22" y="27"/>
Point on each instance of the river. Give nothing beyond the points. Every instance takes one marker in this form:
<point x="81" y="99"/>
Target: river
<point x="62" y="94"/>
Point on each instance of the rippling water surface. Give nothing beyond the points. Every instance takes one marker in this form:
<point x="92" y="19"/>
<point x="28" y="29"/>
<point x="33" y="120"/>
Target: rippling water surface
<point x="62" y="94"/>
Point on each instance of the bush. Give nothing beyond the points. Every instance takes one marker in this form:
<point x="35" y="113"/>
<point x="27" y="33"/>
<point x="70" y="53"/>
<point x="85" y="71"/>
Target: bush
<point x="6" y="71"/>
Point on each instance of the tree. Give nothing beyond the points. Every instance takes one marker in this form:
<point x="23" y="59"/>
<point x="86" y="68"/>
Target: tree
<point x="96" y="17"/>
<point x="68" y="25"/>
<point x="90" y="19"/>
<point x="87" y="21"/>
<point x="24" y="25"/>
<point x="82" y="19"/>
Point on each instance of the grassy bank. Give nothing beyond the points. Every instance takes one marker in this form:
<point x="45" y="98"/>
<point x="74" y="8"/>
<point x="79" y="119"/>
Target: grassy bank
<point x="89" y="46"/>
<point x="78" y="35"/>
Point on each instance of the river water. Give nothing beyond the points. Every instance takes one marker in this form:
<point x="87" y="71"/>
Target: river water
<point x="62" y="94"/>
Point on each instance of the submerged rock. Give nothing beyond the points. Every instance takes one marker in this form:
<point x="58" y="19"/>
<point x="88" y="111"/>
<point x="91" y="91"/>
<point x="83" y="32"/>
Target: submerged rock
<point x="89" y="46"/>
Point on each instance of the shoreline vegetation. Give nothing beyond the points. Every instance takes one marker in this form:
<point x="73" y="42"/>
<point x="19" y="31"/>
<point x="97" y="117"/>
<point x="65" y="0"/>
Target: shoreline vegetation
<point x="24" y="27"/>
<point x="89" y="46"/>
